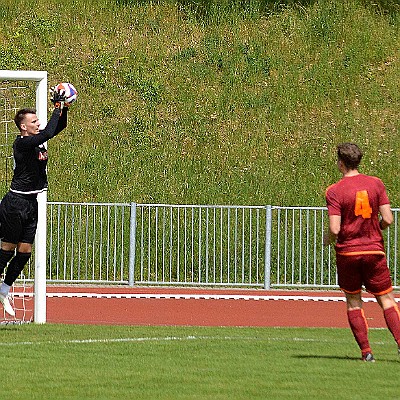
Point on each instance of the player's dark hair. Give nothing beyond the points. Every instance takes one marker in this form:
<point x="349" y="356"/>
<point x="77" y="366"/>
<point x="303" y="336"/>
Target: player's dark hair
<point x="20" y="115"/>
<point x="350" y="154"/>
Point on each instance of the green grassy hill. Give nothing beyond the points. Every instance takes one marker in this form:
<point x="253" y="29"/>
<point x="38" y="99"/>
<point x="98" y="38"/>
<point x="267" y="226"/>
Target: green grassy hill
<point x="213" y="102"/>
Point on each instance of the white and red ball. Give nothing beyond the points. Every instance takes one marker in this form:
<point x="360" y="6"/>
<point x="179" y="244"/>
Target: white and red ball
<point x="68" y="90"/>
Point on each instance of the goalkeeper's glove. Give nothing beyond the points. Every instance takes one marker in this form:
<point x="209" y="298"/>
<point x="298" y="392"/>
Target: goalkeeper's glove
<point x="58" y="98"/>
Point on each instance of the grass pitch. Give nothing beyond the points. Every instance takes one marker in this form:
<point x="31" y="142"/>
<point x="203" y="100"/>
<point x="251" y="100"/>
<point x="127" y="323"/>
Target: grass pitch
<point x="125" y="362"/>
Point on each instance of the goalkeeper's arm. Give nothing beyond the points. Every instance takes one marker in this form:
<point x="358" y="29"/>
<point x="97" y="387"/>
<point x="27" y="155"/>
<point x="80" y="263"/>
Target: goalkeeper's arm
<point x="56" y="124"/>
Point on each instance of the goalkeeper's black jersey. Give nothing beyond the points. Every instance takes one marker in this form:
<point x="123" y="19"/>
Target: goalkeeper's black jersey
<point x="30" y="156"/>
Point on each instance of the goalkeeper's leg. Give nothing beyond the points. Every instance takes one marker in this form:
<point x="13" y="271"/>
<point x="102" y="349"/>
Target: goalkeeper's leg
<point x="15" y="267"/>
<point x="5" y="257"/>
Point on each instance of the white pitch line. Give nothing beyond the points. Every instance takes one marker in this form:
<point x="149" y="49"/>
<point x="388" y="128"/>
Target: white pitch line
<point x="178" y="296"/>
<point x="172" y="339"/>
<point x="160" y="339"/>
<point x="125" y="340"/>
<point x="199" y="296"/>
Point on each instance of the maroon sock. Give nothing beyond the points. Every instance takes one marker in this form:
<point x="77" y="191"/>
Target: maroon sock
<point x="392" y="319"/>
<point x="359" y="327"/>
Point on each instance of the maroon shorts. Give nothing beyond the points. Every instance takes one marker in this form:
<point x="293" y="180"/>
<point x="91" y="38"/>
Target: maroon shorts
<point x="370" y="270"/>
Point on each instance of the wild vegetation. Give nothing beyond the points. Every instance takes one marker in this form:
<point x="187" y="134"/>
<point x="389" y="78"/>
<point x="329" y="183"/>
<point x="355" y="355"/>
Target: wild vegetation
<point x="213" y="102"/>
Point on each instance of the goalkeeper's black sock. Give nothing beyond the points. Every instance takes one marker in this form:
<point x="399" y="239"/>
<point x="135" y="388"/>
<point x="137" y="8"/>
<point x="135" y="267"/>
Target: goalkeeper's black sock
<point x="15" y="267"/>
<point x="5" y="257"/>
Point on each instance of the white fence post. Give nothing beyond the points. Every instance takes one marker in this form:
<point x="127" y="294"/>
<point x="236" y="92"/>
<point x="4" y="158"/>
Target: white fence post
<point x="132" y="245"/>
<point x="268" y="227"/>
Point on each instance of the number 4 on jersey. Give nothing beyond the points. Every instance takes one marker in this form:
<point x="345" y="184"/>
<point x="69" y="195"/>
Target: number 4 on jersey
<point x="362" y="206"/>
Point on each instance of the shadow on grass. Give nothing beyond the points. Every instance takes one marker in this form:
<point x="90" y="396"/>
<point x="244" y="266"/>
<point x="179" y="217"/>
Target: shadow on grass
<point x="347" y="358"/>
<point x="306" y="356"/>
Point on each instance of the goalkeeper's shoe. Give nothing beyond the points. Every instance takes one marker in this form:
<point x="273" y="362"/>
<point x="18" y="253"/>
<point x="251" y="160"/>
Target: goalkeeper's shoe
<point x="7" y="305"/>
<point x="368" y="357"/>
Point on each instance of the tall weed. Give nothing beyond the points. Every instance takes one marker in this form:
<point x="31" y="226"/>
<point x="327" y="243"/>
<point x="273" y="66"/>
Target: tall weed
<point x="195" y="101"/>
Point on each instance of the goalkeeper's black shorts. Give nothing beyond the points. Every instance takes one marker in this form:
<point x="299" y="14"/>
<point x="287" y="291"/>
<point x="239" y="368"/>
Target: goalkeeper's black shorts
<point x="18" y="218"/>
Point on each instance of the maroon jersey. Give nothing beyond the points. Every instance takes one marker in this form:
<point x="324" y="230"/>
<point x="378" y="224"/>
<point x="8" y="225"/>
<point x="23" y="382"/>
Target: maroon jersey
<point x="357" y="199"/>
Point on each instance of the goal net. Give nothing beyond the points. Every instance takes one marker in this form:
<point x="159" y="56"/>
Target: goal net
<point x="20" y="89"/>
<point x="21" y="298"/>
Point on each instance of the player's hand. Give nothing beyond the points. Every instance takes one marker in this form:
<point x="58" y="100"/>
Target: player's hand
<point x="328" y="239"/>
<point x="58" y="98"/>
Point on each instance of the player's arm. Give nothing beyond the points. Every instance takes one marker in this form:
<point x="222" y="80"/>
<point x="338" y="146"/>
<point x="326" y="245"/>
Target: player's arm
<point x="56" y="124"/>
<point x="334" y="214"/>
<point x="58" y="120"/>
<point x="334" y="229"/>
<point x="386" y="216"/>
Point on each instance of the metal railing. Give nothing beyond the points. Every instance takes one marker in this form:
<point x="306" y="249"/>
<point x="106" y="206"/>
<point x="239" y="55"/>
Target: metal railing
<point x="129" y="243"/>
<point x="88" y="242"/>
<point x="200" y="245"/>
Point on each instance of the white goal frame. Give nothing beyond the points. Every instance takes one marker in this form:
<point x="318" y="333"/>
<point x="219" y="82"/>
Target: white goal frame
<point x="40" y="77"/>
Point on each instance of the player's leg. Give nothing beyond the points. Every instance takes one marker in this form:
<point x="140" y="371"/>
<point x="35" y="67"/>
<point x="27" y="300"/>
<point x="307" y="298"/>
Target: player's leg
<point x="9" y="223"/>
<point x="391" y="314"/>
<point x="18" y="217"/>
<point x="358" y="324"/>
<point x="7" y="252"/>
<point x="11" y="228"/>
<point x="379" y="283"/>
<point x="25" y="242"/>
<point x="17" y="264"/>
<point x="349" y="269"/>
<point x="24" y="251"/>
<point x="14" y="269"/>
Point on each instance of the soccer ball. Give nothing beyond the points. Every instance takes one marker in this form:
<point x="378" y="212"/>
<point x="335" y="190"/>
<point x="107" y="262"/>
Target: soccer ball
<point x="68" y="90"/>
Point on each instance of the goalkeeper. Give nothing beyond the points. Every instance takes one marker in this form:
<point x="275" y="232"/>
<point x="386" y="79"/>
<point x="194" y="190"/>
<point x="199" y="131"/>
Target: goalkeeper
<point x="19" y="207"/>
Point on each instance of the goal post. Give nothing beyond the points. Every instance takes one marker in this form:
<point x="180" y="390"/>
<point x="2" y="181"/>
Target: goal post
<point x="40" y="79"/>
